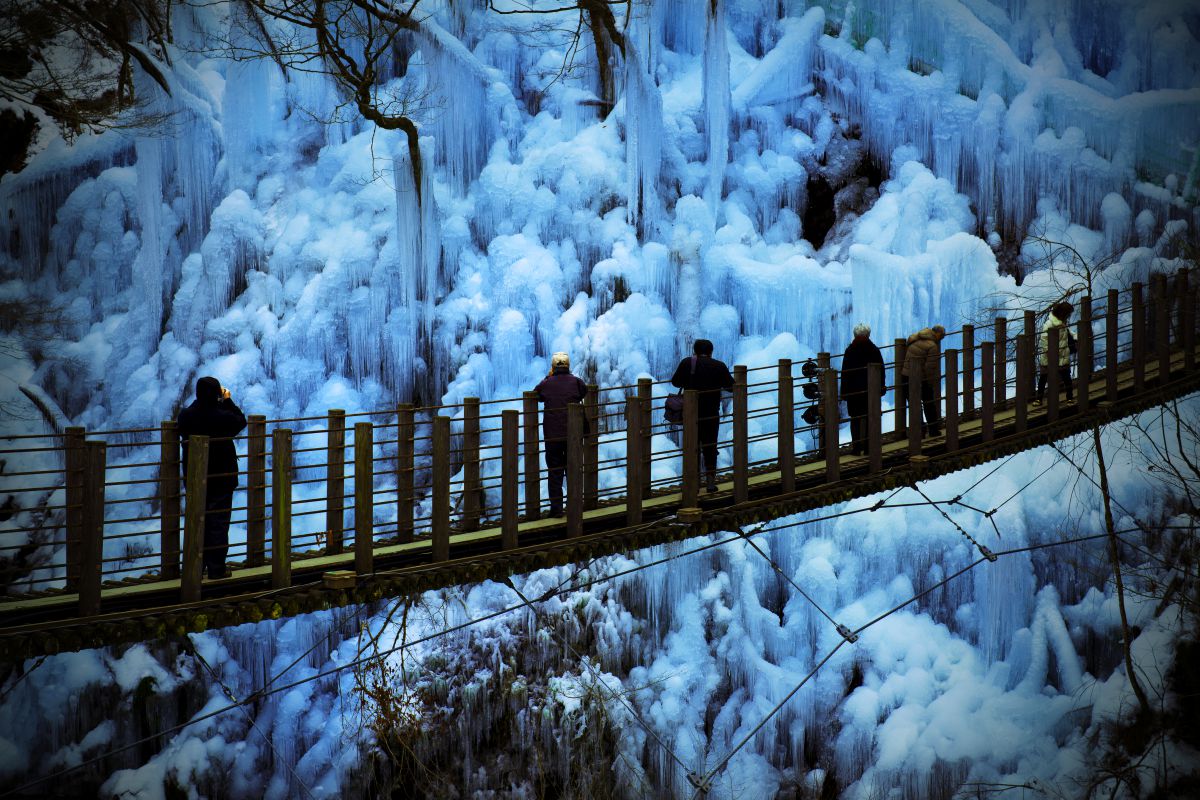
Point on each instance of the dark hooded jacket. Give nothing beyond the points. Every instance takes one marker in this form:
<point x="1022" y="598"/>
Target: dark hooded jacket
<point x="861" y="352"/>
<point x="555" y="392"/>
<point x="218" y="419"/>
<point x="708" y="379"/>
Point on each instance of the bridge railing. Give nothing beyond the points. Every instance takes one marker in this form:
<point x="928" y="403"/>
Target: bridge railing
<point x="410" y="476"/>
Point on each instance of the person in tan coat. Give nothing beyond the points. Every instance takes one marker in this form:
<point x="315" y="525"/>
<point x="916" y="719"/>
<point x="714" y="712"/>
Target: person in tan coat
<point x="922" y="361"/>
<point x="1058" y="317"/>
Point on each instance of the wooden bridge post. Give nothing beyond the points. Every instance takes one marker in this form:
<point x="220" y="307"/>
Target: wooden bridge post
<point x="1112" y="345"/>
<point x="786" y="427"/>
<point x="1188" y="324"/>
<point x="1053" y="383"/>
<point x="831" y="421"/>
<point x="690" y="474"/>
<point x="364" y="498"/>
<point x="633" y="461"/>
<point x="951" y="400"/>
<point x="1162" y="328"/>
<point x="256" y="490"/>
<point x="741" y="435"/>
<point x="875" y="416"/>
<point x="406" y="431"/>
<point x="91" y="551"/>
<point x="591" y="447"/>
<point x="193" y="524"/>
<point x="899" y="400"/>
<point x="533" y="472"/>
<point x="1024" y="383"/>
<point x="1084" y="356"/>
<point x="1000" y="355"/>
<point x="1030" y="320"/>
<point x="335" y="495"/>
<point x="987" y="395"/>
<point x="472" y="488"/>
<point x="168" y="492"/>
<point x="441" y="488"/>
<point x="1181" y="299"/>
<point x="645" y="394"/>
<point x="510" y="428"/>
<point x="281" y="508"/>
<point x="575" y="448"/>
<point x="915" y="411"/>
<point x="968" y="368"/>
<point x="75" y="466"/>
<point x="1139" y="337"/>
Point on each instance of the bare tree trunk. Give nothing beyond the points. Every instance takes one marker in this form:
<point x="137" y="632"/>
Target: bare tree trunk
<point x="1115" y="557"/>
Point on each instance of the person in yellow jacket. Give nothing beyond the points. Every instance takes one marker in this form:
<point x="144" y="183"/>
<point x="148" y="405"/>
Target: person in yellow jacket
<point x="922" y="362"/>
<point x="1057" y="318"/>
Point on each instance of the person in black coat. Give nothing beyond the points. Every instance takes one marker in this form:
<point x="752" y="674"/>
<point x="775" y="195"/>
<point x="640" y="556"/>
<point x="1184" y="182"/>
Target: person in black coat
<point x="215" y="415"/>
<point x="708" y="377"/>
<point x="860" y="352"/>
<point x="555" y="391"/>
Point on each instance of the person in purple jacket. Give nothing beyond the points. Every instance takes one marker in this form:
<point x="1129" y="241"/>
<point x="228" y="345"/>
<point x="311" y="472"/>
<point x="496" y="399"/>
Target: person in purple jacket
<point x="556" y="390"/>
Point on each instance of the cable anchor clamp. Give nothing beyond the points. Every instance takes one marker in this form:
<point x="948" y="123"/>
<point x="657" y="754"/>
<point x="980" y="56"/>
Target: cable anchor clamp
<point x="847" y="634"/>
<point x="988" y="554"/>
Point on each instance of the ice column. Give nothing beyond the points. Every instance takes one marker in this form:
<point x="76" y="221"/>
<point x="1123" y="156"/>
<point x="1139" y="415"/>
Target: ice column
<point x="148" y="265"/>
<point x="246" y="105"/>
<point x="643" y="140"/>
<point x="716" y="102"/>
<point x="419" y="254"/>
<point x="466" y="120"/>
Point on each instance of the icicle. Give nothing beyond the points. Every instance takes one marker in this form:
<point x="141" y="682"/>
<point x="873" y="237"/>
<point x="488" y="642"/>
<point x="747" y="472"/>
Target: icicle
<point x="643" y="140"/>
<point x="418" y="238"/>
<point x="246" y="104"/>
<point x="149" y="274"/>
<point x="716" y="102"/>
<point x="472" y="103"/>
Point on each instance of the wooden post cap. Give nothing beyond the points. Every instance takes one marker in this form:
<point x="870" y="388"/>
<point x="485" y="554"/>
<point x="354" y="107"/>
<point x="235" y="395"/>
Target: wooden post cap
<point x="339" y="579"/>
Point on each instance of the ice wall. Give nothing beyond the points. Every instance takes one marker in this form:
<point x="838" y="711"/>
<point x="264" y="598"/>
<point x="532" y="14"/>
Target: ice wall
<point x="315" y="275"/>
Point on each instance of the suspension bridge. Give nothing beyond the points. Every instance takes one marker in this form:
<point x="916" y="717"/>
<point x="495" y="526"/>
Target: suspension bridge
<point x="445" y="495"/>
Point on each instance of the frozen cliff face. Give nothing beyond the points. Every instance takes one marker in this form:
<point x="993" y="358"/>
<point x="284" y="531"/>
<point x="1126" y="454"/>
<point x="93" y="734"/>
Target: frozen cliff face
<point x="265" y="237"/>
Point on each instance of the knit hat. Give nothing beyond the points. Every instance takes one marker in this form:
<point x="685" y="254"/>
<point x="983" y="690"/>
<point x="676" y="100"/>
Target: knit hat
<point x="208" y="389"/>
<point x="560" y="360"/>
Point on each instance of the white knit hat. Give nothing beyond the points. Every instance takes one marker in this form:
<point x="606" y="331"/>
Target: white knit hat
<point x="560" y="360"/>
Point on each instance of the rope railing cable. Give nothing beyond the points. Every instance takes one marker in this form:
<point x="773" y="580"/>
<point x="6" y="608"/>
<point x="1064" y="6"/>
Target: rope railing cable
<point x="785" y="576"/>
<point x="702" y="783"/>
<point x="983" y="549"/>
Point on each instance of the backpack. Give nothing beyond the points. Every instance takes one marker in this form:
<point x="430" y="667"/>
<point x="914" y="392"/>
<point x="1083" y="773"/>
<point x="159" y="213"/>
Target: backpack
<point x="673" y="407"/>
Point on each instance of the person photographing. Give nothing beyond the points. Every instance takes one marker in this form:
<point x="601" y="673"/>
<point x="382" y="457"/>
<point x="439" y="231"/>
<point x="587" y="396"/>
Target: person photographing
<point x="214" y="414"/>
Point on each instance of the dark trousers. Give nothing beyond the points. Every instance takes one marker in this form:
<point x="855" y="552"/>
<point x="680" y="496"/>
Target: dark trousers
<point x="556" y="467"/>
<point x="708" y="432"/>
<point x="1064" y="380"/>
<point x="856" y="407"/>
<point x="217" y="511"/>
<point x="929" y="405"/>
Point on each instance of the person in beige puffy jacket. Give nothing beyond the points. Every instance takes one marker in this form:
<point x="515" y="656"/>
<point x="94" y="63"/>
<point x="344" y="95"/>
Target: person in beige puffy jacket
<point x="922" y="360"/>
<point x="1058" y="317"/>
